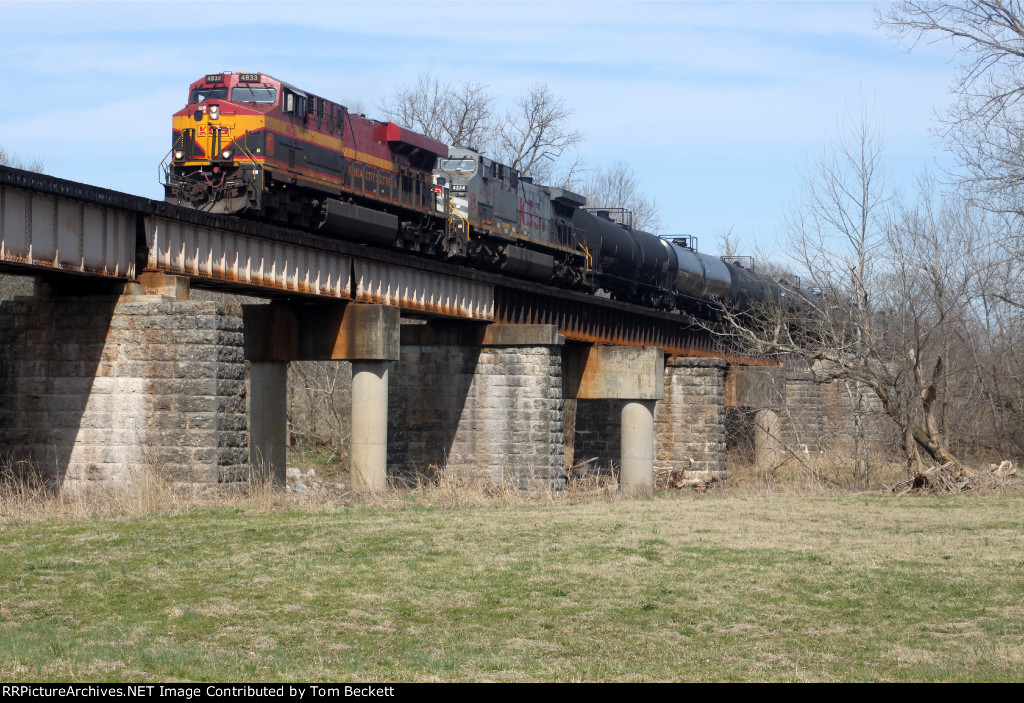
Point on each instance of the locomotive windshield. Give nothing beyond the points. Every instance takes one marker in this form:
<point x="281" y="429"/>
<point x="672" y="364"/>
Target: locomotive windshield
<point x="201" y="94"/>
<point x="462" y="166"/>
<point x="249" y="94"/>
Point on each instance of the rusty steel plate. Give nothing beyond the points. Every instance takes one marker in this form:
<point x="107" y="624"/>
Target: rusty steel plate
<point x="232" y="257"/>
<point x="423" y="291"/>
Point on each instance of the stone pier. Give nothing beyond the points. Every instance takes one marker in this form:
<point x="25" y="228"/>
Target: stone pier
<point x="689" y="429"/>
<point x="852" y="416"/>
<point x="755" y="397"/>
<point x="802" y="425"/>
<point x="690" y="421"/>
<point x="99" y="387"/>
<point x="479" y="401"/>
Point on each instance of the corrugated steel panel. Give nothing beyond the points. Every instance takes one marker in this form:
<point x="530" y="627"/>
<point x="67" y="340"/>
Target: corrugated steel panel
<point x="410" y="289"/>
<point x="46" y="230"/>
<point x="231" y="257"/>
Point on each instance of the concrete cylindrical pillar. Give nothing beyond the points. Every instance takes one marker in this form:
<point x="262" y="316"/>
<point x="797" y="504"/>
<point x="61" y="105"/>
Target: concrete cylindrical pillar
<point x="268" y="419"/>
<point x="369" y="443"/>
<point x="636" y="477"/>
<point x="768" y="449"/>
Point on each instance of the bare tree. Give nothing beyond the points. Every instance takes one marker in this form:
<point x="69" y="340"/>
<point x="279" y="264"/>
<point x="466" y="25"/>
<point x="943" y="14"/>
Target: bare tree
<point x="319" y="404"/>
<point x="535" y="134"/>
<point x="460" y="115"/>
<point x="9" y="159"/>
<point x="991" y="398"/>
<point x="617" y="186"/>
<point x="895" y="295"/>
<point x="727" y="245"/>
<point x="532" y="137"/>
<point x="985" y="126"/>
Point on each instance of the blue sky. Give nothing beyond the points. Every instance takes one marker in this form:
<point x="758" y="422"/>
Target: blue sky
<point x="716" y="105"/>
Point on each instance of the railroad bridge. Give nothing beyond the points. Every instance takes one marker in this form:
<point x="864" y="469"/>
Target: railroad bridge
<point x="110" y="365"/>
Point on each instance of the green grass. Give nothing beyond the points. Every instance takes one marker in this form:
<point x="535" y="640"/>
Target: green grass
<point x="774" y="588"/>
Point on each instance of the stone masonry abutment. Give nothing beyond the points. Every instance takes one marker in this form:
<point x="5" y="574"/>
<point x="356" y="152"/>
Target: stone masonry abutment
<point x="98" y="386"/>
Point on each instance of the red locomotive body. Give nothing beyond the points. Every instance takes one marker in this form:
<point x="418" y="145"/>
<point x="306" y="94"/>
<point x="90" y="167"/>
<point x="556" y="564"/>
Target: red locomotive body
<point x="247" y="143"/>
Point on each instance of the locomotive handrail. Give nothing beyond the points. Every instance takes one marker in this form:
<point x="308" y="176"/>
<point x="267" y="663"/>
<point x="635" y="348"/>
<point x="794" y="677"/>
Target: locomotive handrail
<point x="252" y="159"/>
<point x="161" y="168"/>
<point x="452" y="210"/>
<point x="588" y="258"/>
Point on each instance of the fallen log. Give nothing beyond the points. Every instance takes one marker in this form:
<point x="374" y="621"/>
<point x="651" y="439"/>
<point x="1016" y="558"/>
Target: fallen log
<point x="947" y="478"/>
<point x="672" y="479"/>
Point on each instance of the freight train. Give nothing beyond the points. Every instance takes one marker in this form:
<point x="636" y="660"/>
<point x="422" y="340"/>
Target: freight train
<point x="248" y="144"/>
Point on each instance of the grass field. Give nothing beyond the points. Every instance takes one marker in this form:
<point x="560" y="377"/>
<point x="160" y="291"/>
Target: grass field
<point x="736" y="587"/>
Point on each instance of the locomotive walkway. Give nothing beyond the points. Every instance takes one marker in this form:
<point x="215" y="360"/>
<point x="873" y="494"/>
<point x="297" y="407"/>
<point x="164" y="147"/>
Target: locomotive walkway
<point x="111" y="364"/>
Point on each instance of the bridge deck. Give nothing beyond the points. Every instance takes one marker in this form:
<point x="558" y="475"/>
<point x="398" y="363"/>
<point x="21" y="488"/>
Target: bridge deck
<point x="49" y="225"/>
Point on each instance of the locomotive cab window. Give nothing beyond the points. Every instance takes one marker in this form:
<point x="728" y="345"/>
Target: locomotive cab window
<point x="294" y="103"/>
<point x="459" y="166"/>
<point x="254" y="94"/>
<point x="202" y="94"/>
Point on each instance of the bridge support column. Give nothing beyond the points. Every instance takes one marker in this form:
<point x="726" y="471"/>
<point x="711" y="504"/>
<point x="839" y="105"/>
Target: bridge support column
<point x="637" y="475"/>
<point x="631" y="374"/>
<point x="268" y="420"/>
<point x="367" y="335"/>
<point x="474" y="402"/>
<point x="769" y="453"/>
<point x="369" y="444"/>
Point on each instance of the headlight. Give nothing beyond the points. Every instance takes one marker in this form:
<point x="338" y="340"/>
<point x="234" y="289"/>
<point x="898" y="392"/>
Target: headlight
<point x="179" y="155"/>
<point x="214" y="111"/>
<point x="226" y="154"/>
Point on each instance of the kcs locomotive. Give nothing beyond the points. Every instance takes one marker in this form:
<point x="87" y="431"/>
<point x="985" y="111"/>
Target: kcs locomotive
<point x="251" y="145"/>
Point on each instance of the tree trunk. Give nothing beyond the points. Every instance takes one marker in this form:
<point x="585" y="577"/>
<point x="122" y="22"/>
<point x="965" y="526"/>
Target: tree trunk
<point x="935" y="447"/>
<point x="931" y="434"/>
<point x="930" y="443"/>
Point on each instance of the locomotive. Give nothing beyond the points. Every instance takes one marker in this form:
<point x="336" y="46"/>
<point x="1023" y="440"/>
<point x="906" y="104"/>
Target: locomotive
<point x="248" y="144"/>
